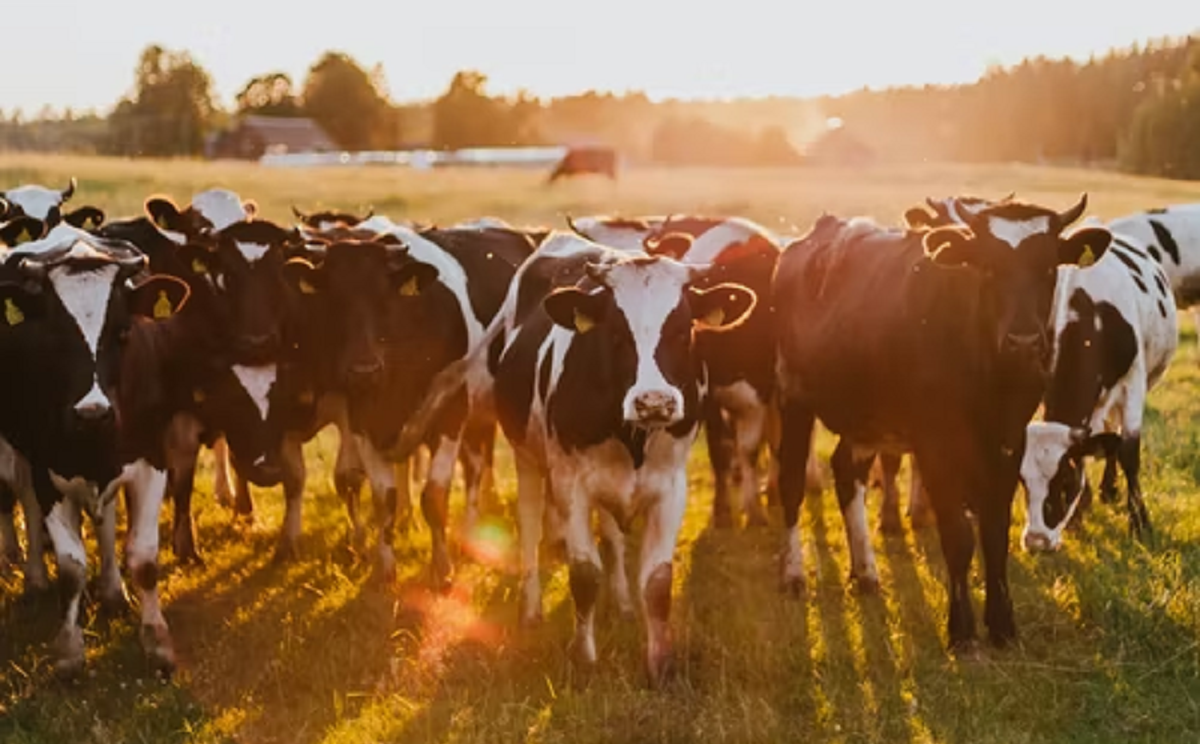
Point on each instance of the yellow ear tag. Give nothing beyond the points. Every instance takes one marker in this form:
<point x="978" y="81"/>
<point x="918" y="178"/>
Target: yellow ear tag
<point x="715" y="317"/>
<point x="410" y="288"/>
<point x="12" y="313"/>
<point x="24" y="236"/>
<point x="306" y="288"/>
<point x="198" y="395"/>
<point x="162" y="306"/>
<point x="1088" y="258"/>
<point x="583" y="323"/>
<point x="161" y="221"/>
<point x="89" y="223"/>
<point x="198" y="266"/>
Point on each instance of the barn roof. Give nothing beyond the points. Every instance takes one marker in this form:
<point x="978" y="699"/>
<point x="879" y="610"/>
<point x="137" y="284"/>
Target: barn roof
<point x="289" y="134"/>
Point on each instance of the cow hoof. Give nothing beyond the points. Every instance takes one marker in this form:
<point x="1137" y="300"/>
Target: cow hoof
<point x="186" y="555"/>
<point x="286" y="552"/>
<point x="68" y="650"/>
<point x="67" y="670"/>
<point x="890" y="524"/>
<point x="756" y="518"/>
<point x="966" y="649"/>
<point x="865" y="585"/>
<point x="660" y="670"/>
<point x="385" y="571"/>
<point x="530" y="620"/>
<point x="1003" y="636"/>
<point x="160" y="651"/>
<point x="792" y="586"/>
<point x="1108" y="494"/>
<point x="114" y="602"/>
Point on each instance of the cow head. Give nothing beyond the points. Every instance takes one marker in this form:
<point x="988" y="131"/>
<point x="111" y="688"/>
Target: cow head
<point x="1052" y="471"/>
<point x="952" y="210"/>
<point x="329" y="220"/>
<point x="641" y="311"/>
<point x="210" y="211"/>
<point x="244" y="270"/>
<point x="80" y="292"/>
<point x="37" y="202"/>
<point x="363" y="286"/>
<point x="1018" y="248"/>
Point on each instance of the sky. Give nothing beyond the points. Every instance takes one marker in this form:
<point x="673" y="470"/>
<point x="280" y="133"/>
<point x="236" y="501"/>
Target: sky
<point x="82" y="54"/>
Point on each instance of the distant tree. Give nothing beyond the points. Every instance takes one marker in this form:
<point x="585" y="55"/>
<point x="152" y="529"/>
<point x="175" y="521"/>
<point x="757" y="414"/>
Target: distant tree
<point x="341" y="97"/>
<point x="269" y="95"/>
<point x="1162" y="140"/>
<point x="169" y="109"/>
<point x="465" y="116"/>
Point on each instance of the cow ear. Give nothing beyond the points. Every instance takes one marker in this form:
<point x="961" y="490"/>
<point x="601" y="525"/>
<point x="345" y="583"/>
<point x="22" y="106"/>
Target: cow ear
<point x="722" y="306"/>
<point x="673" y="245"/>
<point x="306" y="278"/>
<point x="85" y="218"/>
<point x="1084" y="247"/>
<point x="576" y="310"/>
<point x="18" y="305"/>
<point x="22" y="230"/>
<point x="198" y="259"/>
<point x="250" y="207"/>
<point x="164" y="214"/>
<point x="158" y="296"/>
<point x="949" y="246"/>
<point x="919" y="218"/>
<point x="413" y="278"/>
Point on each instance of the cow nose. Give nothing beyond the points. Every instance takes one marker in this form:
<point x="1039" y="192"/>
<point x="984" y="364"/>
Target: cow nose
<point x="93" y="410"/>
<point x="1038" y="542"/>
<point x="655" y="407"/>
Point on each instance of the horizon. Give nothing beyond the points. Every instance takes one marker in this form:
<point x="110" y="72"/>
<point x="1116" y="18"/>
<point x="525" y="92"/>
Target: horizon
<point x="696" y="55"/>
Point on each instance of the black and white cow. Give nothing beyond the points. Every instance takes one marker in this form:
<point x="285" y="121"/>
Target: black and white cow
<point x="43" y="208"/>
<point x="855" y="305"/>
<point x="1115" y="332"/>
<point x="71" y="309"/>
<point x="598" y="387"/>
<point x="738" y="411"/>
<point x="1172" y="238"/>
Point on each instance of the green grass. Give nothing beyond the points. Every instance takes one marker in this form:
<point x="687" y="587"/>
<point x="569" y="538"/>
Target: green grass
<point x="315" y="652"/>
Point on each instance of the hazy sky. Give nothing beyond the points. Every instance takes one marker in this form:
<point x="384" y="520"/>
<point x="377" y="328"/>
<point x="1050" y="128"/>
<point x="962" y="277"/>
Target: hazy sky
<point x="82" y="54"/>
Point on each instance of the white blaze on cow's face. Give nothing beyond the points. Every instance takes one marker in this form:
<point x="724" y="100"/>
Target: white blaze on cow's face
<point x="34" y="201"/>
<point x="257" y="382"/>
<point x="252" y="251"/>
<point x="1015" y="232"/>
<point x="1051" y="481"/>
<point x="85" y="295"/>
<point x="221" y="207"/>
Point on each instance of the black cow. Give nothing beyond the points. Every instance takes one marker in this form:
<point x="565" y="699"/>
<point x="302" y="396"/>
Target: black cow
<point x="580" y="160"/>
<point x="71" y="311"/>
<point x="855" y="305"/>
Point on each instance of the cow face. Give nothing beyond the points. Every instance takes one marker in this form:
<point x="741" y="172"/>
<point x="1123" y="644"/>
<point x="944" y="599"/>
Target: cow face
<point x="953" y="210"/>
<point x="364" y="286"/>
<point x="642" y="312"/>
<point x="210" y="211"/>
<point x="328" y="220"/>
<point x="252" y="297"/>
<point x="1018" y="248"/>
<point x="77" y="288"/>
<point x="1052" y="472"/>
<point x="37" y="202"/>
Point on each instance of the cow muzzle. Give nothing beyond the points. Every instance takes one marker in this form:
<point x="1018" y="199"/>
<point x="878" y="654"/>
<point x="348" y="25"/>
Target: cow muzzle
<point x="1040" y="542"/>
<point x="654" y="408"/>
<point x="95" y="407"/>
<point x="257" y="347"/>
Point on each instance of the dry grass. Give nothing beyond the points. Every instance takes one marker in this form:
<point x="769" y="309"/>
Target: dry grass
<point x="312" y="652"/>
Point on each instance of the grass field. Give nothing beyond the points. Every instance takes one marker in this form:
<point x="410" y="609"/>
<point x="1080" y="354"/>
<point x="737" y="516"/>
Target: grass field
<point x="315" y="652"/>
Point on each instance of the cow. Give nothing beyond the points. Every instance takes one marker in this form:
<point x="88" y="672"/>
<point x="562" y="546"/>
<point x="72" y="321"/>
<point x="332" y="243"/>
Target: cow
<point x="401" y="306"/>
<point x="738" y="412"/>
<point x="329" y="219"/>
<point x="1172" y="238"/>
<point x="580" y="160"/>
<point x="74" y="302"/>
<point x="44" y="205"/>
<point x="1115" y="333"/>
<point x="598" y="387"/>
<point x="855" y="304"/>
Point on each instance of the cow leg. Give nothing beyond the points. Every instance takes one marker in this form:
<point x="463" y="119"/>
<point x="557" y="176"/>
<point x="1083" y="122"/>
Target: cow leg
<point x="183" y="449"/>
<point x="794" y="444"/>
<point x="112" y="589"/>
<point x="771" y="436"/>
<point x="948" y="477"/>
<point x="10" y="546"/>
<point x="889" y="510"/>
<point x="222" y="483"/>
<point x="850" y="481"/>
<point x="584" y="560"/>
<point x="348" y="480"/>
<point x="920" y="513"/>
<point x="748" y="428"/>
<point x="291" y="457"/>
<point x="663" y="521"/>
<point x="402" y="472"/>
<point x="145" y="486"/>
<point x="243" y="500"/>
<point x="435" y="498"/>
<point x="63" y="524"/>
<point x="383" y="494"/>
<point x="1108" y="481"/>
<point x="719" y="437"/>
<point x="995" y="519"/>
<point x="1130" y="454"/>
<point x="473" y="453"/>
<point x="612" y="547"/>
<point x="36" y="579"/>
<point x="531" y="503"/>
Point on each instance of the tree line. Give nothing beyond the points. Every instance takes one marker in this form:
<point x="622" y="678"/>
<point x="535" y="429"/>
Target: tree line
<point x="1136" y="108"/>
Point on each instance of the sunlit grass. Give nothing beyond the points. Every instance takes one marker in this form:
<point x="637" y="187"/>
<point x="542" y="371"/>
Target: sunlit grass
<point x="315" y="652"/>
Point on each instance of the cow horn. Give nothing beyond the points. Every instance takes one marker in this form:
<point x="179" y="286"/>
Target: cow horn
<point x="69" y="191"/>
<point x="1074" y="213"/>
<point x="370" y="213"/>
<point x="33" y="267"/>
<point x="1011" y="195"/>
<point x="3" y="210"/>
<point x="574" y="229"/>
<point x="299" y="215"/>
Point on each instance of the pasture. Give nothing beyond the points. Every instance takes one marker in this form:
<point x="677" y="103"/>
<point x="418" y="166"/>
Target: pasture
<point x="315" y="652"/>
